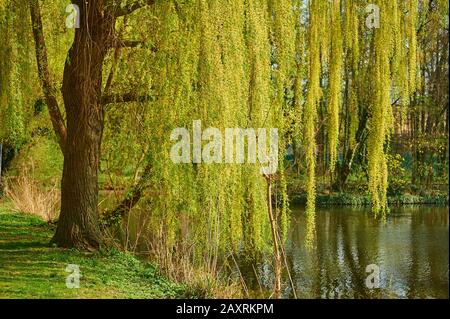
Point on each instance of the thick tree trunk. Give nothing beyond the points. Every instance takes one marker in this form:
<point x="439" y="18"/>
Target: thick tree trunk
<point x="78" y="224"/>
<point x="80" y="137"/>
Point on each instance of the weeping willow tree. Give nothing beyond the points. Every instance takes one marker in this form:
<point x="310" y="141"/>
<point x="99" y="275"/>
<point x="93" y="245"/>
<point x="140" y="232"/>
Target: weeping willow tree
<point x="358" y="70"/>
<point x="134" y="71"/>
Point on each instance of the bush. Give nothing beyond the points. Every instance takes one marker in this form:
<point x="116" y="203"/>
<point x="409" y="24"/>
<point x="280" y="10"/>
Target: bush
<point x="397" y="175"/>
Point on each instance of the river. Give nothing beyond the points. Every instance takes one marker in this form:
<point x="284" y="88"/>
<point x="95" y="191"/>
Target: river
<point x="357" y="256"/>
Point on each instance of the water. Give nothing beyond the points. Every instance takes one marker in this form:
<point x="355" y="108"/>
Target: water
<point x="410" y="251"/>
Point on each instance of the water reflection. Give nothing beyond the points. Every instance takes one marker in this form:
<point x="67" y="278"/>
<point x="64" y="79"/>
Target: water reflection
<point x="410" y="249"/>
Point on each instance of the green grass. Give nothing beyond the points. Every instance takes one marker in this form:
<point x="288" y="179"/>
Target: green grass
<point x="31" y="268"/>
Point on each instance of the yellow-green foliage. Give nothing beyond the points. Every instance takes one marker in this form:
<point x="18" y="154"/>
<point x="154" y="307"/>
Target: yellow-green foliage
<point x="19" y="86"/>
<point x="212" y="64"/>
<point x="380" y="121"/>
<point x="232" y="64"/>
<point x="310" y="114"/>
<point x="215" y="62"/>
<point x="412" y="44"/>
<point x="284" y="39"/>
<point x="388" y="45"/>
<point x="13" y="65"/>
<point x="335" y="83"/>
<point x="351" y="47"/>
<point x="300" y="59"/>
<point x="229" y="63"/>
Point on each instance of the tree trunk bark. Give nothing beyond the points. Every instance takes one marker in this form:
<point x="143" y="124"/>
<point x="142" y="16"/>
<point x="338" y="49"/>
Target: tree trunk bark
<point x="78" y="224"/>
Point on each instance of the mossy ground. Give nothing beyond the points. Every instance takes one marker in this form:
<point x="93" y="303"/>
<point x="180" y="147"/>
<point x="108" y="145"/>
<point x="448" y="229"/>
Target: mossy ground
<point x="31" y="268"/>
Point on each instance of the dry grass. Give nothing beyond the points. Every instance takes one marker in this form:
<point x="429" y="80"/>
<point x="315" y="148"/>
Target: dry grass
<point x="143" y="234"/>
<point x="28" y="196"/>
<point x="203" y="277"/>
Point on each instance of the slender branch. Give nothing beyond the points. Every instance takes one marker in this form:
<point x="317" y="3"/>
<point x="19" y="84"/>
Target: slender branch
<point x="427" y="14"/>
<point x="44" y="74"/>
<point x="130" y="43"/>
<point x="115" y="59"/>
<point x="395" y="102"/>
<point x="112" y="71"/>
<point x="130" y="200"/>
<point x="120" y="43"/>
<point x="131" y="7"/>
<point x="125" y="98"/>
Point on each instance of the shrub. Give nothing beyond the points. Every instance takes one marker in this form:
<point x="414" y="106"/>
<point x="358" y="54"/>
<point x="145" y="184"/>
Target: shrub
<point x="397" y="175"/>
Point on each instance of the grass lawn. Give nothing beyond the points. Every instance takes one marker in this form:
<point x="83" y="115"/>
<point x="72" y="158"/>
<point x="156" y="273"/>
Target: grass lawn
<point x="31" y="268"/>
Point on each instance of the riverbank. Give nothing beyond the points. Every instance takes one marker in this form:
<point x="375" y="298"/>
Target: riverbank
<point x="343" y="199"/>
<point x="31" y="268"/>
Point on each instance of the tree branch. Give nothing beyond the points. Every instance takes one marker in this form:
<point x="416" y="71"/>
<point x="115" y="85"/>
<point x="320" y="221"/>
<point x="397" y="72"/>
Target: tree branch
<point x="125" y="98"/>
<point x="395" y="102"/>
<point x="120" y="11"/>
<point x="120" y="43"/>
<point x="112" y="71"/>
<point x="44" y="74"/>
<point x="132" y="197"/>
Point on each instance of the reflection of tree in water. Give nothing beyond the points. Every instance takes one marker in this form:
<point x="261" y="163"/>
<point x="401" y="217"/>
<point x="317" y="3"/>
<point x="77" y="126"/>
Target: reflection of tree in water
<point x="437" y="237"/>
<point x="328" y="266"/>
<point x="356" y="271"/>
<point x="348" y="240"/>
<point x="413" y="272"/>
<point x="367" y="247"/>
<point x="428" y="262"/>
<point x="297" y="258"/>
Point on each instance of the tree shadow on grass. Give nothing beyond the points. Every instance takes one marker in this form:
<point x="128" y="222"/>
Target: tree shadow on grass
<point x="21" y="245"/>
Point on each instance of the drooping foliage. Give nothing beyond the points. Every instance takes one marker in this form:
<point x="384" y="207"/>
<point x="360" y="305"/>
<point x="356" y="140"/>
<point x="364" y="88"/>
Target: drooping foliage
<point x="20" y="97"/>
<point x="303" y="67"/>
<point x="14" y="64"/>
<point x="335" y="82"/>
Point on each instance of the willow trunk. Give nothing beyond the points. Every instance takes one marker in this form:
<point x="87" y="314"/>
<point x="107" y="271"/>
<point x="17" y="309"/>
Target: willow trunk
<point x="78" y="224"/>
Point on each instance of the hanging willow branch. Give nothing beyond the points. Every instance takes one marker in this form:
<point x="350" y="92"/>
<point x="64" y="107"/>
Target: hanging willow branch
<point x="335" y="83"/>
